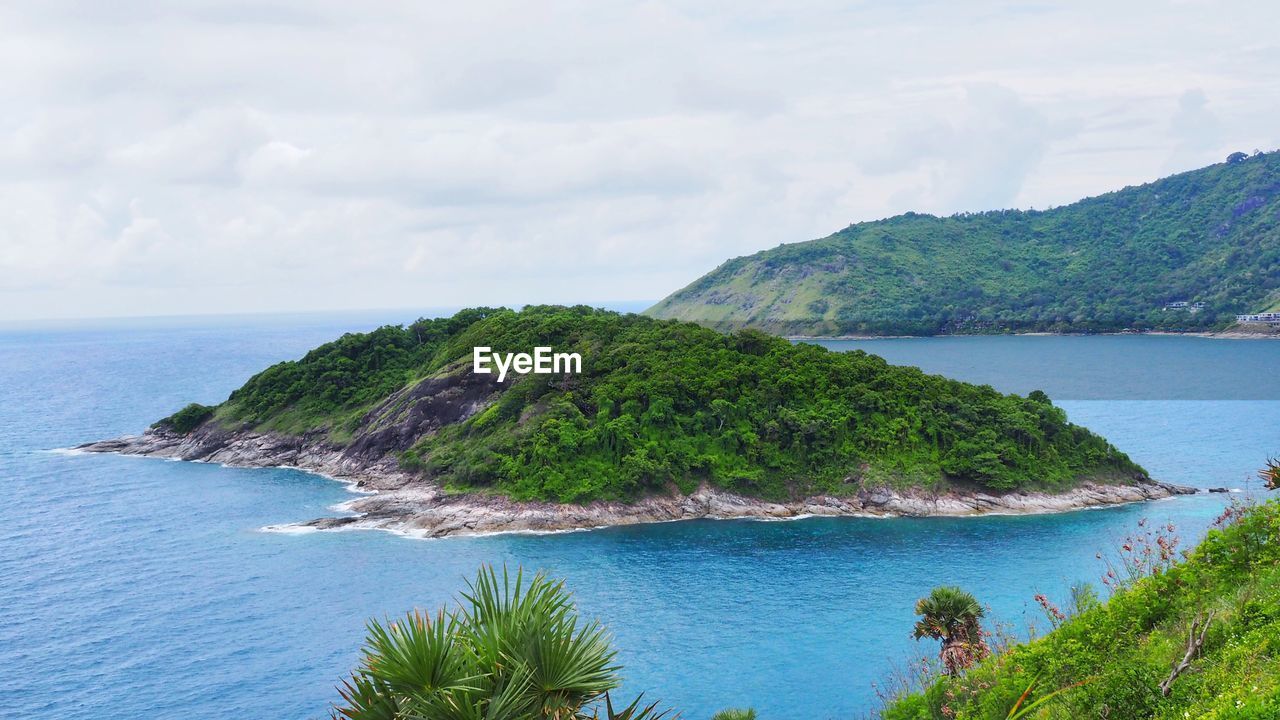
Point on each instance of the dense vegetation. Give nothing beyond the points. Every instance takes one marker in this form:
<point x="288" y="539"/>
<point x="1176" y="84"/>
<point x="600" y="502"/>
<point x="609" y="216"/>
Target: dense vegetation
<point x="663" y="404"/>
<point x="1107" y="263"/>
<point x="1195" y="638"/>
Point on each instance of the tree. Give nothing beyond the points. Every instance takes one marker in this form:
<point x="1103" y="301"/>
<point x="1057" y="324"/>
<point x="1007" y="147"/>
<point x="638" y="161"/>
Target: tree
<point x="512" y="651"/>
<point x="952" y="615"/>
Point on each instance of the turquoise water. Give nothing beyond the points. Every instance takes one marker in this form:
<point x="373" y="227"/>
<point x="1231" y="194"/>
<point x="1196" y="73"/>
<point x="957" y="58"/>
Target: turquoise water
<point x="135" y="587"/>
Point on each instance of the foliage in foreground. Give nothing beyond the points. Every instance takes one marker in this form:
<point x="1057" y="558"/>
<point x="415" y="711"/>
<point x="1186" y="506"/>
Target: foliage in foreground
<point x="514" y="650"/>
<point x="1107" y="263"/>
<point x="1207" y="629"/>
<point x="1270" y="474"/>
<point x="735" y="714"/>
<point x="666" y="404"/>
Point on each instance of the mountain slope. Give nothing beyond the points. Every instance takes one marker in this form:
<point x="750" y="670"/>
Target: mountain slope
<point x="1107" y="263"/>
<point x="659" y="406"/>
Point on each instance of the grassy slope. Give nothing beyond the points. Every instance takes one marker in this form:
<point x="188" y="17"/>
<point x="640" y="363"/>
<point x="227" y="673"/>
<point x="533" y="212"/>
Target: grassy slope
<point x="1105" y="263"/>
<point x="664" y="403"/>
<point x="1122" y="650"/>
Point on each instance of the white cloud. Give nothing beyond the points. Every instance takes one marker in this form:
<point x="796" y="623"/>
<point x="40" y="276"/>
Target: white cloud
<point x="977" y="156"/>
<point x="282" y="155"/>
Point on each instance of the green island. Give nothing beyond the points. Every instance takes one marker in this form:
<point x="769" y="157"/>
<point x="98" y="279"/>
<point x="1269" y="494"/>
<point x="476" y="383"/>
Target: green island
<point x="1185" y="253"/>
<point x="660" y="406"/>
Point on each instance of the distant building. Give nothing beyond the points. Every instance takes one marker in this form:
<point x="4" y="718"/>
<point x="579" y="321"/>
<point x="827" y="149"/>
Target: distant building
<point x="1179" y="305"/>
<point x="1267" y="318"/>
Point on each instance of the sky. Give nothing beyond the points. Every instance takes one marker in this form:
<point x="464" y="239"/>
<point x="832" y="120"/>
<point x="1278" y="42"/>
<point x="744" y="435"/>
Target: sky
<point x="163" y="158"/>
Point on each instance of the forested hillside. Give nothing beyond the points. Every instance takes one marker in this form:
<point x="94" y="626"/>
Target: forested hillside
<point x="658" y="405"/>
<point x="1187" y="252"/>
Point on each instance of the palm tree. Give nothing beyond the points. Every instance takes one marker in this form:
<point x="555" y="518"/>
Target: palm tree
<point x="512" y="651"/>
<point x="951" y="615"/>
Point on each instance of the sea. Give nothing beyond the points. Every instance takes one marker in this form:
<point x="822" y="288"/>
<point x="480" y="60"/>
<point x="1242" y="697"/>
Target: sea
<point x="138" y="587"/>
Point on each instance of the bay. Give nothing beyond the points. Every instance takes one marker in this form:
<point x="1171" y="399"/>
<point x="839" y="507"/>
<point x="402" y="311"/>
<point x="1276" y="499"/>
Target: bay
<point x="142" y="588"/>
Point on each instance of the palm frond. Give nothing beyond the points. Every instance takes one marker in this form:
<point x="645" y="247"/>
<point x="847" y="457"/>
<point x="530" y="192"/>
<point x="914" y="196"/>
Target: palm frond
<point x="366" y="698"/>
<point x="416" y="656"/>
<point x="636" y="711"/>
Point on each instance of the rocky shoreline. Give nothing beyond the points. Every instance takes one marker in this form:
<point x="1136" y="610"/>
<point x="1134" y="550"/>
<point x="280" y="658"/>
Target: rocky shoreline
<point x="1234" y="332"/>
<point x="402" y="502"/>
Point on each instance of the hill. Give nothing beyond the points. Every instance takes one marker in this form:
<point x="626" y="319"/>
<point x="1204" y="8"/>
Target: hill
<point x="659" y="408"/>
<point x="1141" y="258"/>
<point x="1218" y="612"/>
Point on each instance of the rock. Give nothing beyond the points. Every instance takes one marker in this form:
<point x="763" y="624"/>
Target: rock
<point x="405" y="502"/>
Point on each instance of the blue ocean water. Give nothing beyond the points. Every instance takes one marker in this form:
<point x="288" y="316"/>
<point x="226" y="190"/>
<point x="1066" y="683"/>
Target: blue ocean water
<point x="133" y="587"/>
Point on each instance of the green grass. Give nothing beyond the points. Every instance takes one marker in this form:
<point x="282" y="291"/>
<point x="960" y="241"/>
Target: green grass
<point x="1105" y="263"/>
<point x="1111" y="658"/>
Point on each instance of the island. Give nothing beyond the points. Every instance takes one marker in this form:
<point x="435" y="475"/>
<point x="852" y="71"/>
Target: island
<point x="664" y="420"/>
<point x="1193" y="252"/>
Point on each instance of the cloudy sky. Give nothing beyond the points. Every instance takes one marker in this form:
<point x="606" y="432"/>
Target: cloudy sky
<point x="206" y="157"/>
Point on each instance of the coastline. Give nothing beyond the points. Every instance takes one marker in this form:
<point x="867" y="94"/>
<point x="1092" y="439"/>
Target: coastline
<point x="1228" y="334"/>
<point x="396" y="501"/>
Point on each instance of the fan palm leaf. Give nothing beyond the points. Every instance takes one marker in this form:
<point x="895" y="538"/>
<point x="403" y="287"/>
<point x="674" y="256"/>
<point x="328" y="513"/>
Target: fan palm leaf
<point x="515" y="649"/>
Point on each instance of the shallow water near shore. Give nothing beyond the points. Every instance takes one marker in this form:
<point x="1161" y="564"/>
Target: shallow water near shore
<point x="135" y="587"/>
